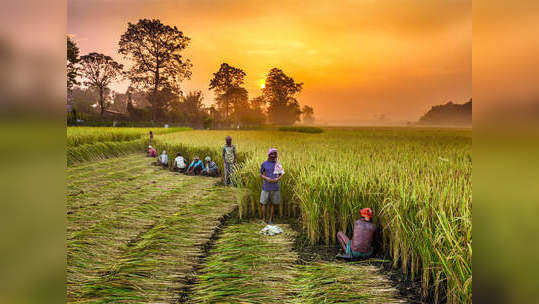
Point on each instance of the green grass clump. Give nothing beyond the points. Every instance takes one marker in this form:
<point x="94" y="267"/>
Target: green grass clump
<point x="301" y="129"/>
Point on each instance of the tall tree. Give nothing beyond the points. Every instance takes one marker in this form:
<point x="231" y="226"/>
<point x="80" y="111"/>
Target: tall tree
<point x="279" y="92"/>
<point x="227" y="84"/>
<point x="99" y="71"/>
<point x="192" y="107"/>
<point x="252" y="114"/>
<point x="156" y="50"/>
<point x="308" y="113"/>
<point x="72" y="60"/>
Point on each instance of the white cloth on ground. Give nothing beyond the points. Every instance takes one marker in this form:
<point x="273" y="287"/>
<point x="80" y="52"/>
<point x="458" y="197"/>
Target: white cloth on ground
<point x="271" y="230"/>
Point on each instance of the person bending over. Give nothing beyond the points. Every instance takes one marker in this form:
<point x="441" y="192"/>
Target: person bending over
<point x="210" y="169"/>
<point x="151" y="152"/>
<point x="196" y="167"/>
<point x="163" y="159"/>
<point x="271" y="172"/>
<point x="179" y="164"/>
<point x="360" y="246"/>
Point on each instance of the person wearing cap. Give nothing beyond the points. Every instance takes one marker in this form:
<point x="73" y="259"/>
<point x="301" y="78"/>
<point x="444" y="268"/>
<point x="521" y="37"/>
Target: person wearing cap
<point x="163" y="159"/>
<point x="271" y="172"/>
<point x="196" y="167"/>
<point x="210" y="169"/>
<point x="360" y="246"/>
<point x="179" y="164"/>
<point x="151" y="152"/>
<point x="229" y="157"/>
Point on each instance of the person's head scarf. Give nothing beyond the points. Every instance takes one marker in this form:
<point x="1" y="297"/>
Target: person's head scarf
<point x="366" y="213"/>
<point x="271" y="150"/>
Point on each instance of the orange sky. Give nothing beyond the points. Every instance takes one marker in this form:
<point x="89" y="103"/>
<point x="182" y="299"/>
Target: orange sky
<point x="357" y="58"/>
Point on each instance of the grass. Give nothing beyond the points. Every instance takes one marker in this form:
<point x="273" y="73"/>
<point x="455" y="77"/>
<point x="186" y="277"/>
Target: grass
<point x="135" y="231"/>
<point x="246" y="267"/>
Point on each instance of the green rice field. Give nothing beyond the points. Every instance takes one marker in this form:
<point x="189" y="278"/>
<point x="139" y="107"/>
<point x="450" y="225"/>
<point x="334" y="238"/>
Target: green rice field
<point x="128" y="220"/>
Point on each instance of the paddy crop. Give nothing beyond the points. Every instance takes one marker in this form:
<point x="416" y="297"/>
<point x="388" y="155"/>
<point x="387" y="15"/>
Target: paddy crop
<point x="96" y="143"/>
<point x="418" y="181"/>
<point x="247" y="267"/>
<point x="77" y="136"/>
<point x="135" y="231"/>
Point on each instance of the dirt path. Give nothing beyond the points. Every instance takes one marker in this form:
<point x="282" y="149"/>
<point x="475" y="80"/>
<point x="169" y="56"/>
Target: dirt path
<point x="139" y="234"/>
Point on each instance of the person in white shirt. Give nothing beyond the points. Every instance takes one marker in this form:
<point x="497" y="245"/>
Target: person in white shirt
<point x="179" y="164"/>
<point x="163" y="159"/>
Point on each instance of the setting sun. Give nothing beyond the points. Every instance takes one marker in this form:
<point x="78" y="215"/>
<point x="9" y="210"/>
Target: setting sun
<point x="262" y="83"/>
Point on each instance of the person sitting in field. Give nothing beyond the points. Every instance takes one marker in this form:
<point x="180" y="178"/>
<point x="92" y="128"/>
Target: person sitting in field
<point x="151" y="152"/>
<point x="163" y="159"/>
<point x="271" y="172"/>
<point x="360" y="246"/>
<point x="196" y="167"/>
<point x="179" y="164"/>
<point x="210" y="169"/>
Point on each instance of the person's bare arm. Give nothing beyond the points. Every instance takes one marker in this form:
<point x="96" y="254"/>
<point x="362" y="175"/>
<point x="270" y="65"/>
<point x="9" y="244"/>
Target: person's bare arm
<point x="267" y="178"/>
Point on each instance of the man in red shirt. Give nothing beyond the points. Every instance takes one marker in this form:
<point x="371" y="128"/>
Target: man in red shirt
<point x="360" y="245"/>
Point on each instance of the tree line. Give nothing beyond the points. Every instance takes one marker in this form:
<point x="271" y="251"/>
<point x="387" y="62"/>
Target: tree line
<point x="155" y="75"/>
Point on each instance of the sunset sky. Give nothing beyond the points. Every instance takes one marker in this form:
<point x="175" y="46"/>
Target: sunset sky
<point x="357" y="58"/>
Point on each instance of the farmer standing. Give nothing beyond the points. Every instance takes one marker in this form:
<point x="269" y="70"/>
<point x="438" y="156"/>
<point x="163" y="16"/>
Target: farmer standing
<point x="151" y="137"/>
<point x="271" y="172"/>
<point x="360" y="246"/>
<point x="229" y="157"/>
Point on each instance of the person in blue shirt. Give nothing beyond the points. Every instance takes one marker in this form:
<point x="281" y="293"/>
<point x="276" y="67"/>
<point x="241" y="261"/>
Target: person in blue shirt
<point x="196" y="167"/>
<point x="271" y="172"/>
<point x="210" y="169"/>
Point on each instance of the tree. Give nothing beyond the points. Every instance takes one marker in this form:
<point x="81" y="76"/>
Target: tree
<point x="308" y="113"/>
<point x="227" y="84"/>
<point x="99" y="71"/>
<point x="253" y="113"/>
<point x="279" y="92"/>
<point x="119" y="102"/>
<point x="156" y="51"/>
<point x="192" y="107"/>
<point x="82" y="99"/>
<point x="72" y="60"/>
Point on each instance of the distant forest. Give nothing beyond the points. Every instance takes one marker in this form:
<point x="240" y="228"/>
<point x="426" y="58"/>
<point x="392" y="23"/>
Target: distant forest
<point x="157" y="68"/>
<point x="449" y="114"/>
